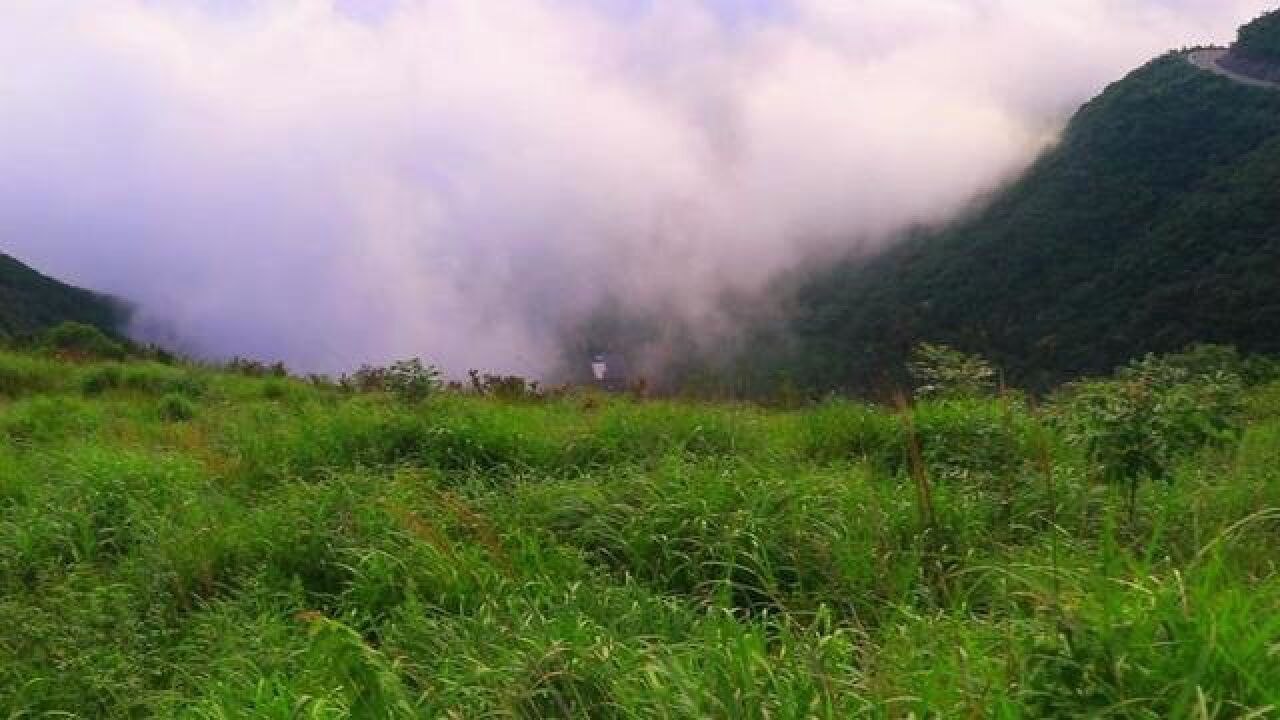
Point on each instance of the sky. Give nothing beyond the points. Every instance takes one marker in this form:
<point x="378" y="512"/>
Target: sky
<point x="334" y="182"/>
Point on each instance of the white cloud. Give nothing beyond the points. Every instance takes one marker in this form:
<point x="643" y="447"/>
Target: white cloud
<point x="451" y="178"/>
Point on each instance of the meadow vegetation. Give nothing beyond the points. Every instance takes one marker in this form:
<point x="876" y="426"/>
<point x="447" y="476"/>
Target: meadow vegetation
<point x="197" y="542"/>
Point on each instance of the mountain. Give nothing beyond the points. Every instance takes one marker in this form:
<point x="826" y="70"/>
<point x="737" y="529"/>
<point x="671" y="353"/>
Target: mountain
<point x="1153" y="224"/>
<point x="31" y="302"/>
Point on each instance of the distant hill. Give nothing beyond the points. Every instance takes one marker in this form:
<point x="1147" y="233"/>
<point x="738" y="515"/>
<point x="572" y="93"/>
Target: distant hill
<point x="1155" y="223"/>
<point x="31" y="302"/>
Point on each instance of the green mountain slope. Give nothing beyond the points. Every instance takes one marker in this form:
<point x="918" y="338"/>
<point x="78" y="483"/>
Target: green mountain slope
<point x="31" y="302"/>
<point x="1260" y="39"/>
<point x="1155" y="223"/>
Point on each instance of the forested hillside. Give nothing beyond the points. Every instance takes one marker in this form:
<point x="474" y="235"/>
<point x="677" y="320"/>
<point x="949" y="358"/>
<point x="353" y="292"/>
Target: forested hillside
<point x="1260" y="39"/>
<point x="1154" y="224"/>
<point x="31" y="302"/>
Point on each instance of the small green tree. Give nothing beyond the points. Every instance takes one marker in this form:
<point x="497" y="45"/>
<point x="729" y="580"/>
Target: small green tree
<point x="412" y="381"/>
<point x="1154" y="412"/>
<point x="940" y="371"/>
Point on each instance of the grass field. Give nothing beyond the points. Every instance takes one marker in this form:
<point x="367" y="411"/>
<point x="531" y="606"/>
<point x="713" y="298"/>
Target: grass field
<point x="177" y="541"/>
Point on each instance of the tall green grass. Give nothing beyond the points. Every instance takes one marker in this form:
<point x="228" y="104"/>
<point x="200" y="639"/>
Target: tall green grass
<point x="285" y="550"/>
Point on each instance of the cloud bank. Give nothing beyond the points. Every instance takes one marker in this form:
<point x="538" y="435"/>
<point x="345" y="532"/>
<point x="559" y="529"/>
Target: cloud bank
<point x="331" y="182"/>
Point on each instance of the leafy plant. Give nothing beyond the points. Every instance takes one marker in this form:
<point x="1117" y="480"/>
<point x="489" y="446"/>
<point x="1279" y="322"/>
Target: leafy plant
<point x="410" y="380"/>
<point x="1152" y="414"/>
<point x="101" y="379"/>
<point x="505" y="387"/>
<point x="176" y="408"/>
<point x="942" y="371"/>
<point x="257" y="368"/>
<point x="78" y="340"/>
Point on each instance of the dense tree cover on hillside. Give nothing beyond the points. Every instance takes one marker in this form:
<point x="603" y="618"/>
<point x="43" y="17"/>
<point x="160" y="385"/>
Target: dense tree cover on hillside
<point x="31" y="302"/>
<point x="189" y="542"/>
<point x="1260" y="39"/>
<point x="1155" y="223"/>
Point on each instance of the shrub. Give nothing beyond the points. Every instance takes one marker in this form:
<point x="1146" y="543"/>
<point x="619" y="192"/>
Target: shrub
<point x="160" y="379"/>
<point x="149" y="379"/>
<point x="73" y="339"/>
<point x="275" y="390"/>
<point x="410" y="380"/>
<point x="942" y="371"/>
<point x="255" y="368"/>
<point x="176" y="408"/>
<point x="101" y="379"/>
<point x="1152" y="414"/>
<point x="505" y="387"/>
<point x="971" y="440"/>
<point x="1205" y="360"/>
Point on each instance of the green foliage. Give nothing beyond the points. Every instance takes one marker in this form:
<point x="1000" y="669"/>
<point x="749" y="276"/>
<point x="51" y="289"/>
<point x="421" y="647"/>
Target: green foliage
<point x="410" y="380"/>
<point x="78" y="340"/>
<point x="255" y="368"/>
<point x="1155" y="413"/>
<point x="31" y="303"/>
<point x="505" y="387"/>
<point x="972" y="441"/>
<point x="1151" y="225"/>
<point x="176" y="408"/>
<point x="147" y="379"/>
<point x="293" y="550"/>
<point x="941" y="371"/>
<point x="101" y="379"/>
<point x="23" y="375"/>
<point x="1260" y="39"/>
<point x="840" y="430"/>
<point x="47" y="418"/>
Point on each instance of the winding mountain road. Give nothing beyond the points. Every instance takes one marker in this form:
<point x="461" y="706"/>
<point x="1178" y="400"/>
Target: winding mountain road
<point x="1208" y="59"/>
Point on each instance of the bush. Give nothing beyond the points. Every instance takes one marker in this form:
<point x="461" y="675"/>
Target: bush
<point x="77" y="340"/>
<point x="101" y="379"/>
<point x="176" y="408"/>
<point x="1152" y="414"/>
<point x="148" y="379"/>
<point x="275" y="390"/>
<point x="254" y="368"/>
<point x="160" y="379"/>
<point x="410" y="380"/>
<point x="511" y="388"/>
<point x="971" y="440"/>
<point x="941" y="371"/>
<point x="1206" y="360"/>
